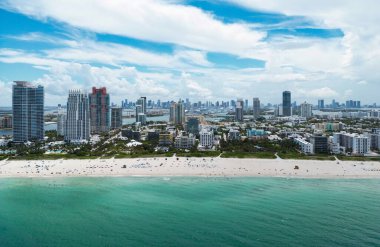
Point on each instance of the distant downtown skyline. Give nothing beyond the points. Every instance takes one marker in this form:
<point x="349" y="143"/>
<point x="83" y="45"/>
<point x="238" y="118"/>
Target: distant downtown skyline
<point x="285" y="99"/>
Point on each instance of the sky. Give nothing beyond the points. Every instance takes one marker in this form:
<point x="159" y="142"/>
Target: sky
<point x="201" y="50"/>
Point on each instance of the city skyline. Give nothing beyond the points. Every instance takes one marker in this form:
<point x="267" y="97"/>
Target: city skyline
<point x="141" y="101"/>
<point x="189" y="123"/>
<point x="243" y="49"/>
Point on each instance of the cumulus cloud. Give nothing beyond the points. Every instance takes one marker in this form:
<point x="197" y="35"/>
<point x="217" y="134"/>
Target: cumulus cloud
<point x="194" y="89"/>
<point x="358" y="54"/>
<point x="318" y="93"/>
<point x="157" y="21"/>
<point x="125" y="82"/>
<point x="310" y="67"/>
<point x="6" y="91"/>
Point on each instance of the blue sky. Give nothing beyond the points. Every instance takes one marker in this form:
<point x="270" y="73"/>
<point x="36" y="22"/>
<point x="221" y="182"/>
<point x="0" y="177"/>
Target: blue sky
<point x="214" y="50"/>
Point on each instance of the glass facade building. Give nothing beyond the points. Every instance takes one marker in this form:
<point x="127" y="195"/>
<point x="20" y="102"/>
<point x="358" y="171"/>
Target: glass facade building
<point x="116" y="117"/>
<point x="286" y="103"/>
<point x="192" y="125"/>
<point x="28" y="112"/>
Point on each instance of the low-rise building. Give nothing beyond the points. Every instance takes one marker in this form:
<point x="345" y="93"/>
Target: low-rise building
<point x="355" y="143"/>
<point x="4" y="142"/>
<point x="320" y="145"/>
<point x="376" y="131"/>
<point x="131" y="134"/>
<point x="256" y="133"/>
<point x="206" y="139"/>
<point x="233" y="135"/>
<point x="184" y="141"/>
<point x="165" y="139"/>
<point x="361" y="145"/>
<point x="329" y="126"/>
<point x="375" y="141"/>
<point x="153" y="135"/>
<point x="305" y="147"/>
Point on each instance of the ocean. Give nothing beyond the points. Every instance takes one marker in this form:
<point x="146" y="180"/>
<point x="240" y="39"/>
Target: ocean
<point x="179" y="211"/>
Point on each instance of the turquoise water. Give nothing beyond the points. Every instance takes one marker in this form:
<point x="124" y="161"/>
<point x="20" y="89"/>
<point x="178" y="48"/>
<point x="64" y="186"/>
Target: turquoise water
<point x="189" y="212"/>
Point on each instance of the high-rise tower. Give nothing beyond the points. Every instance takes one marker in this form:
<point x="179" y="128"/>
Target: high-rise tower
<point x="28" y="112"/>
<point x="286" y="103"/>
<point x="256" y="107"/>
<point x="78" y="117"/>
<point x="99" y="110"/>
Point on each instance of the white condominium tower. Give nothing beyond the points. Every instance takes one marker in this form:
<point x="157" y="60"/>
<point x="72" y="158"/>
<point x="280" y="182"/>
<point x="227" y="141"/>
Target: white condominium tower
<point x="78" y="117"/>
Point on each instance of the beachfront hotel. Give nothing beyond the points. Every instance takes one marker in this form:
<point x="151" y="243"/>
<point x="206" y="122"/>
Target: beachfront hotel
<point x="28" y="111"/>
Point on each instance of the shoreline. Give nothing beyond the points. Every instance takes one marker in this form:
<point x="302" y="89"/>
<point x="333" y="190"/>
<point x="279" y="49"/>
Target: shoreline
<point x="190" y="167"/>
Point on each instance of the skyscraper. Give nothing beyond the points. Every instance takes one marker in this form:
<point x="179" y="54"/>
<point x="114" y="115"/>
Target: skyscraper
<point x="286" y="103"/>
<point x="172" y="112"/>
<point x="141" y="110"/>
<point x="177" y="113"/>
<point x="61" y="121"/>
<point x="116" y="117"/>
<point x="239" y="115"/>
<point x="306" y="110"/>
<point x="28" y="112"/>
<point x="321" y="104"/>
<point x="256" y="107"/>
<point x="99" y="110"/>
<point x="78" y="117"/>
<point x="142" y="103"/>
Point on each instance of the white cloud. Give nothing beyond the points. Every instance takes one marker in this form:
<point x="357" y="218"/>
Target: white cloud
<point x="348" y="93"/>
<point x="88" y="50"/>
<point x="6" y="92"/>
<point x="310" y="67"/>
<point x="318" y="93"/>
<point x="358" y="53"/>
<point x="125" y="82"/>
<point x="157" y="21"/>
<point x="194" y="89"/>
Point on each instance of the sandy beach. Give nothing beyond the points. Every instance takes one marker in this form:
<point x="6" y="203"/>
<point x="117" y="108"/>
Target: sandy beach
<point x="182" y="166"/>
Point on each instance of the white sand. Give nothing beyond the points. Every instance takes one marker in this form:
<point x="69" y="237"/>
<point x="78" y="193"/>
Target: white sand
<point x="190" y="167"/>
